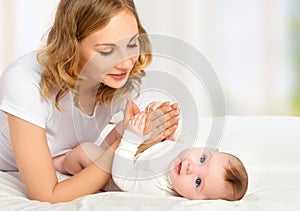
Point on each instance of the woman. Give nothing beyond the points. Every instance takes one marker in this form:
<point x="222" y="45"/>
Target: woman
<point x="50" y="102"/>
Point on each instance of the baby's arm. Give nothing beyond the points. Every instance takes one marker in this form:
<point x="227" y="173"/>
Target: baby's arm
<point x="123" y="169"/>
<point x="133" y="136"/>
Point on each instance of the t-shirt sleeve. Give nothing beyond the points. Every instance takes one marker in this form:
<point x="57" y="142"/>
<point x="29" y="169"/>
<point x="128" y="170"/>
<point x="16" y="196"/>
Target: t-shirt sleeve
<point x="135" y="174"/>
<point x="124" y="171"/>
<point x="123" y="164"/>
<point x="20" y="95"/>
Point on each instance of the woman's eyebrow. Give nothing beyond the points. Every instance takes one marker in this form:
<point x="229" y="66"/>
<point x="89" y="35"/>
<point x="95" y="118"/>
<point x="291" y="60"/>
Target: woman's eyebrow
<point x="113" y="44"/>
<point x="105" y="44"/>
<point x="133" y="37"/>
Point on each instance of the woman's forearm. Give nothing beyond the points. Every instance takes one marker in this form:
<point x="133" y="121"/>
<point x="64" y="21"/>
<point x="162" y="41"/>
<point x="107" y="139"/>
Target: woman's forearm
<point x="90" y="180"/>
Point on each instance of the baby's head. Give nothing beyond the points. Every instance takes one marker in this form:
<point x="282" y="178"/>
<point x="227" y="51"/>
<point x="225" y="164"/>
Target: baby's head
<point x="222" y="176"/>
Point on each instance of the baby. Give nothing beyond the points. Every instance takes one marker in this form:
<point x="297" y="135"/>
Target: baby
<point x="192" y="174"/>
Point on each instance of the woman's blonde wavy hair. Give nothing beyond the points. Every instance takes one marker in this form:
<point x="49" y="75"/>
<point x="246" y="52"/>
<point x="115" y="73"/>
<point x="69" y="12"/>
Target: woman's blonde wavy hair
<point x="59" y="58"/>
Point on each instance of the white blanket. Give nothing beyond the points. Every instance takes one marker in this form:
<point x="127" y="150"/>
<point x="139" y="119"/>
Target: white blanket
<point x="269" y="146"/>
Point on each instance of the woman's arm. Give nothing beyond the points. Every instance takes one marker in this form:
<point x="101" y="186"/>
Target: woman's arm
<point x="36" y="167"/>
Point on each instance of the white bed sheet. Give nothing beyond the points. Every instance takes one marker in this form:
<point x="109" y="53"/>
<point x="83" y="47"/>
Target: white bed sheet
<point x="268" y="146"/>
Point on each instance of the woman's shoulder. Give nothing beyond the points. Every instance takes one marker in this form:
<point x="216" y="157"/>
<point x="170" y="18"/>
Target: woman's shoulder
<point x="22" y="76"/>
<point x="26" y="67"/>
<point x="26" y="61"/>
<point x="20" y="92"/>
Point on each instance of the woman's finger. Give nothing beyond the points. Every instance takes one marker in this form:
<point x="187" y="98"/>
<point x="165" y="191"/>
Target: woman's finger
<point x="162" y="123"/>
<point x="135" y="108"/>
<point x="174" y="106"/>
<point x="158" y="118"/>
<point x="128" y="110"/>
<point x="142" y="122"/>
<point x="169" y="132"/>
<point x="165" y="104"/>
<point x="137" y="119"/>
<point x="131" y="109"/>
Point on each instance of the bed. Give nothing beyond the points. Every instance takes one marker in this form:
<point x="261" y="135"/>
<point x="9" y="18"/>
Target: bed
<point x="269" y="146"/>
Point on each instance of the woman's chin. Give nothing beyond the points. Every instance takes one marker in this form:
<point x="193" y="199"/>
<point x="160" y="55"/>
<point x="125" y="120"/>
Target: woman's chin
<point x="116" y="85"/>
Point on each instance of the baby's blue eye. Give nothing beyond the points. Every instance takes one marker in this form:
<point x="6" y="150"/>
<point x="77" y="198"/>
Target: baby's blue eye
<point x="198" y="181"/>
<point x="202" y="159"/>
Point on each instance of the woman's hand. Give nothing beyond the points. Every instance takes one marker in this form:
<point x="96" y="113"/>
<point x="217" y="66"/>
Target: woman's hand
<point x="175" y="120"/>
<point x="160" y="124"/>
<point x="131" y="110"/>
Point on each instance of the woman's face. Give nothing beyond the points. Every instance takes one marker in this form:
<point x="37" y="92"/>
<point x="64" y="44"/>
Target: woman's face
<point x="108" y="55"/>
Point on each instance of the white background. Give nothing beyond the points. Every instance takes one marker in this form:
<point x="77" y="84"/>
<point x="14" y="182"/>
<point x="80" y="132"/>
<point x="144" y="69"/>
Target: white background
<point x="246" y="42"/>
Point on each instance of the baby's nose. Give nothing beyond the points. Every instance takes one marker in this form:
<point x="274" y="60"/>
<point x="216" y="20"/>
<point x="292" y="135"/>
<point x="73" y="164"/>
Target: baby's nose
<point x="188" y="167"/>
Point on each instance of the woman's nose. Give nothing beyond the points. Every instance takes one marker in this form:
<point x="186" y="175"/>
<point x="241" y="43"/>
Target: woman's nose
<point x="125" y="64"/>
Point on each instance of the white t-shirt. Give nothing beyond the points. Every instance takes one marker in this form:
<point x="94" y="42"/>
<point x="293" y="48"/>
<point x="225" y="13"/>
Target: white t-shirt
<point x="20" y="95"/>
<point x="141" y="174"/>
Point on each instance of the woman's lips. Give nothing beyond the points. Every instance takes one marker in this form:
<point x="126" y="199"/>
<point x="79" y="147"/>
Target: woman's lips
<point x="118" y="76"/>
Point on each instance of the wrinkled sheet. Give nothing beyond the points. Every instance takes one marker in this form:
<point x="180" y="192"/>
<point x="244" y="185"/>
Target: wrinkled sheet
<point x="269" y="146"/>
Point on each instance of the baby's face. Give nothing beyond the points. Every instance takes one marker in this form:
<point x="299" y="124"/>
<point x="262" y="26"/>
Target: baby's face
<point x="195" y="178"/>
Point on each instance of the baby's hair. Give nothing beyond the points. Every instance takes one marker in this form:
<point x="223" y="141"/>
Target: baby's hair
<point x="236" y="176"/>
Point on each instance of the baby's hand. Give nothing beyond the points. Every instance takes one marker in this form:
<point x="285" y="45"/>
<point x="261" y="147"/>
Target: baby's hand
<point x="135" y="129"/>
<point x="151" y="107"/>
<point x="137" y="124"/>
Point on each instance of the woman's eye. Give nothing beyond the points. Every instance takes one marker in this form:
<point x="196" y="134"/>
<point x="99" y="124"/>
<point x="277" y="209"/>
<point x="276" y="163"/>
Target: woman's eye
<point x="198" y="181"/>
<point x="133" y="45"/>
<point x="202" y="159"/>
<point x="106" y="53"/>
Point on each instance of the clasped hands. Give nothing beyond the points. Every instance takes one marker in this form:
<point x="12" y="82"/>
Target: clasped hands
<point x="158" y="122"/>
